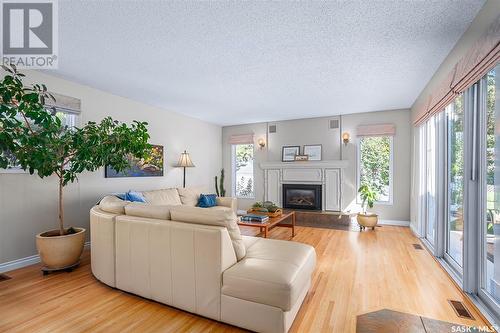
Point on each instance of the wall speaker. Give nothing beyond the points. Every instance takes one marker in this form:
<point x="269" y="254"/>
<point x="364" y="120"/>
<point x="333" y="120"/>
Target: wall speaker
<point x="272" y="128"/>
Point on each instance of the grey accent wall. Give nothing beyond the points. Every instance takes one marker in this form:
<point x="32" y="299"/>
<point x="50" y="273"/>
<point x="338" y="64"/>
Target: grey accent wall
<point x="400" y="208"/>
<point x="305" y="131"/>
<point x="28" y="204"/>
<point x="316" y="131"/>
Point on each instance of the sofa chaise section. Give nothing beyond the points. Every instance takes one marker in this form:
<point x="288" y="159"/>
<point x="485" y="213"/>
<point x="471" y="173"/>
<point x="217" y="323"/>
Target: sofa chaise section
<point x="270" y="283"/>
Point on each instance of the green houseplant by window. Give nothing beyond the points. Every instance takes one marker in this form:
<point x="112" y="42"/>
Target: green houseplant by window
<point x="42" y="145"/>
<point x="368" y="198"/>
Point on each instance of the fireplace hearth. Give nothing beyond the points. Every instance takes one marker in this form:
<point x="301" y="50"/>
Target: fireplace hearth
<point x="302" y="196"/>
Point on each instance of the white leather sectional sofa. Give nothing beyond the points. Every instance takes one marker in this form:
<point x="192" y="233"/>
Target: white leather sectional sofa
<point x="195" y="259"/>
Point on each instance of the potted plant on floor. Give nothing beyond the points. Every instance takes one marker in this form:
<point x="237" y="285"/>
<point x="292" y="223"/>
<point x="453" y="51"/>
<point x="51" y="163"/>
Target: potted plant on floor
<point x="368" y="197"/>
<point x="41" y="144"/>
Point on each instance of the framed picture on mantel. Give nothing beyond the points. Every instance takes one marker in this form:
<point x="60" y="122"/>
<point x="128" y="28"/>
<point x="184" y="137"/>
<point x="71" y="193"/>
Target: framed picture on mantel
<point x="288" y="153"/>
<point x="314" y="152"/>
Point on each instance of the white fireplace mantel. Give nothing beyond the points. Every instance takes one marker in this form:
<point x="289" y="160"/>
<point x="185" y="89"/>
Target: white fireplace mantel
<point x="326" y="173"/>
<point x="334" y="164"/>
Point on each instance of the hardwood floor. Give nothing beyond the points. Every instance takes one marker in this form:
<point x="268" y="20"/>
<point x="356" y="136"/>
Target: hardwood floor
<point x="356" y="273"/>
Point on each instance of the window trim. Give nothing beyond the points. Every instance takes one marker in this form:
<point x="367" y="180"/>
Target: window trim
<point x="390" y="202"/>
<point x="233" y="172"/>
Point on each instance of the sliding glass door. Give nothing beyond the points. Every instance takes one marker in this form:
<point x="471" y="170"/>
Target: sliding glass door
<point x="455" y="183"/>
<point x="430" y="176"/>
<point x="490" y="189"/>
<point x="459" y="205"/>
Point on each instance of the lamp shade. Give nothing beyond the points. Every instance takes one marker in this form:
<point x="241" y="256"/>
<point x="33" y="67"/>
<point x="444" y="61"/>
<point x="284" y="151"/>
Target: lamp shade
<point x="185" y="160"/>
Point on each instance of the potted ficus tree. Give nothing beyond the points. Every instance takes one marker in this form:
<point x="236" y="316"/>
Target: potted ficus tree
<point x="368" y="197"/>
<point x="34" y="134"/>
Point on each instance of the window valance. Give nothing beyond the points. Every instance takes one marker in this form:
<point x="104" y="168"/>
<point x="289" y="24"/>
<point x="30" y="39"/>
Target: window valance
<point x="66" y="103"/>
<point x="376" y="130"/>
<point x="241" y="139"/>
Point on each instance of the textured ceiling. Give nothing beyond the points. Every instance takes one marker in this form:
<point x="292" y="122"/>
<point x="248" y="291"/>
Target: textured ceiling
<point x="240" y="62"/>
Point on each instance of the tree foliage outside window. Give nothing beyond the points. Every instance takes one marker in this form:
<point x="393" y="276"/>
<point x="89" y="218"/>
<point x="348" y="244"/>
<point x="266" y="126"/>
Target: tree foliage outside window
<point x="243" y="170"/>
<point x="375" y="165"/>
<point x="456" y="150"/>
<point x="492" y="133"/>
<point x="455" y="181"/>
<point x="490" y="130"/>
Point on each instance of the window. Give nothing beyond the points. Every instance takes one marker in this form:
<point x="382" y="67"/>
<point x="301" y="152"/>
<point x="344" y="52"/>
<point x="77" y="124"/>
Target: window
<point x="375" y="165"/>
<point x="490" y="179"/>
<point x="430" y="176"/>
<point x="242" y="164"/>
<point x="68" y="118"/>
<point x="455" y="174"/>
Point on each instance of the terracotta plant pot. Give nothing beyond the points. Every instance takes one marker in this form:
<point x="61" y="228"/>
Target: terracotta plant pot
<point x="60" y="252"/>
<point x="367" y="220"/>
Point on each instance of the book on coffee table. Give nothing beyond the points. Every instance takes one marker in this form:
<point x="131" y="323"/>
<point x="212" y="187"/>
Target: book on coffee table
<point x="254" y="218"/>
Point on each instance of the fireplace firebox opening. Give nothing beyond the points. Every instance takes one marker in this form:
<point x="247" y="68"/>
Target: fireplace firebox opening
<point x="302" y="196"/>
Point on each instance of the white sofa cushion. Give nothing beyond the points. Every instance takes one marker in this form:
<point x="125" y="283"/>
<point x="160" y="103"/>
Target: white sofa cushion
<point x="190" y="195"/>
<point x="249" y="241"/>
<point x="228" y="202"/>
<point x="168" y="196"/>
<point x="176" y="263"/>
<point x="273" y="272"/>
<point x="219" y="208"/>
<point x="113" y="204"/>
<point x="140" y="209"/>
<point x="220" y="217"/>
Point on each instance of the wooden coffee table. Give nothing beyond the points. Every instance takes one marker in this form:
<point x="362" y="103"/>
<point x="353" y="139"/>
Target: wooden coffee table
<point x="273" y="222"/>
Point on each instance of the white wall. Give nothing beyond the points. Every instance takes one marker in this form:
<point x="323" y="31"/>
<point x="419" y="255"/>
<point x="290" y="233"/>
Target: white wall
<point x="316" y="131"/>
<point x="28" y="204"/>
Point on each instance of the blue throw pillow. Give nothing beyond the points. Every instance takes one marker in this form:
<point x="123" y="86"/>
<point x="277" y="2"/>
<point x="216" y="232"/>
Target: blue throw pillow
<point x="122" y="196"/>
<point x="207" y="200"/>
<point x="135" y="196"/>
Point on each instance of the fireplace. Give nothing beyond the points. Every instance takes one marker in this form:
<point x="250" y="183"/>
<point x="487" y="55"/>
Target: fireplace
<point x="301" y="196"/>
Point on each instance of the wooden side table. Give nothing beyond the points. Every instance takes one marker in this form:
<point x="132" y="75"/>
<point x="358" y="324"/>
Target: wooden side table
<point x="273" y="222"/>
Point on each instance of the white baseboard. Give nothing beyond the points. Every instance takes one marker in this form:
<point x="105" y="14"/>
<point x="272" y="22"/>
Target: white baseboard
<point x="23" y="262"/>
<point x="19" y="263"/>
<point x="395" y="222"/>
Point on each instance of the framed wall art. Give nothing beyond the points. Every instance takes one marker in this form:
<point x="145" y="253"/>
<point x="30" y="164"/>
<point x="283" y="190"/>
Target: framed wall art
<point x="288" y="153"/>
<point x="151" y="166"/>
<point x="314" y="152"/>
